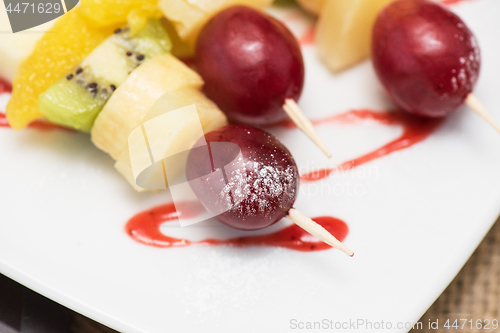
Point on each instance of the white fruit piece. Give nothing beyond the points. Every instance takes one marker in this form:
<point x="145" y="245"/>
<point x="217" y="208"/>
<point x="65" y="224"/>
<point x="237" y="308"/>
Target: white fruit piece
<point x="14" y="48"/>
<point x="189" y="16"/>
<point x="182" y="133"/>
<point x="133" y="99"/>
<point x="312" y="6"/>
<point x="343" y="34"/>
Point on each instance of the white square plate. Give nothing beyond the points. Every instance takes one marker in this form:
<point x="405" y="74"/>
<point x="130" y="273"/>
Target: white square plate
<point x="421" y="213"/>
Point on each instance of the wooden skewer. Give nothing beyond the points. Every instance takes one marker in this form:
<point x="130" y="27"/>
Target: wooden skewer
<point x="475" y="104"/>
<point x="295" y="113"/>
<point x="317" y="230"/>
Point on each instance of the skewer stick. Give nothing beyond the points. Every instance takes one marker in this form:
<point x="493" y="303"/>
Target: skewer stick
<point x="317" y="230"/>
<point x="473" y="102"/>
<point x="295" y="113"/>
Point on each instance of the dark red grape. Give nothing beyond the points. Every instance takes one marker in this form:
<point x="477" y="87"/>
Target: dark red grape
<point x="250" y="63"/>
<point x="259" y="185"/>
<point x="425" y="56"/>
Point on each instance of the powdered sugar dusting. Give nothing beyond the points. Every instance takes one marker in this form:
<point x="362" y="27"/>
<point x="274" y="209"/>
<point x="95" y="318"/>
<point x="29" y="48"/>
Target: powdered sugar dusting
<point x="261" y="184"/>
<point x="465" y="77"/>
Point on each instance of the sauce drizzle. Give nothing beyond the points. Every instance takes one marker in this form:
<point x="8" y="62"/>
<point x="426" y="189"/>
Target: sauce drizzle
<point x="452" y="2"/>
<point x="145" y="228"/>
<point x="415" y="130"/>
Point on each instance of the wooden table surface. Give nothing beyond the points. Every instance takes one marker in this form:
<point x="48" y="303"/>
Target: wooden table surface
<point x="474" y="293"/>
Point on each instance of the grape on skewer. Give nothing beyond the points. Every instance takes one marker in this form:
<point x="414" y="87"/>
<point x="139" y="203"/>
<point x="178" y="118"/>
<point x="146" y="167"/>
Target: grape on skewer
<point x="427" y="59"/>
<point x="260" y="185"/>
<point x="253" y="69"/>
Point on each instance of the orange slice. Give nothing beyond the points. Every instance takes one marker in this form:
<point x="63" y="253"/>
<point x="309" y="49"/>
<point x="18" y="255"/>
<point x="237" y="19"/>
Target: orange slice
<point x="64" y="46"/>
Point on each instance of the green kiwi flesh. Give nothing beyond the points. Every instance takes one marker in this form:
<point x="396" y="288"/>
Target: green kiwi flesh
<point x="75" y="100"/>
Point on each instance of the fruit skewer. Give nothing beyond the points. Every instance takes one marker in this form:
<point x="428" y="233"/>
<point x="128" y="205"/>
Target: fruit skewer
<point x="253" y="69"/>
<point x="250" y="188"/>
<point x="427" y="59"/>
<point x="317" y="230"/>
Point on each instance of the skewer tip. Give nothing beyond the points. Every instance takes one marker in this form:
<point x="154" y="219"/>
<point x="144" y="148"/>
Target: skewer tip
<point x="317" y="230"/>
<point x="475" y="104"/>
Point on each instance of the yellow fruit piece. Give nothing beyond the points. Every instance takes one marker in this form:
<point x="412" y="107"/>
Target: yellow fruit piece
<point x="189" y="16"/>
<point x="343" y="34"/>
<point x="181" y="134"/>
<point x="106" y="13"/>
<point x="312" y="6"/>
<point x="133" y="99"/>
<point x="55" y="54"/>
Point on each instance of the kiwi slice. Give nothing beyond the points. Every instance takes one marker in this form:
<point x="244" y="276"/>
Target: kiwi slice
<point x="76" y="99"/>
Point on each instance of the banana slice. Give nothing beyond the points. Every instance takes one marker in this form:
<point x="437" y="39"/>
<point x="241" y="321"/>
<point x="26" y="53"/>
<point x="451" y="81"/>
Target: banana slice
<point x="182" y="132"/>
<point x="132" y="100"/>
<point x="189" y="16"/>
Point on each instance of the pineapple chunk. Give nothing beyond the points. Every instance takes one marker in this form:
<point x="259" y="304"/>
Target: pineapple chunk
<point x="189" y="16"/>
<point x="312" y="6"/>
<point x="343" y="34"/>
<point x="183" y="133"/>
<point x="133" y="99"/>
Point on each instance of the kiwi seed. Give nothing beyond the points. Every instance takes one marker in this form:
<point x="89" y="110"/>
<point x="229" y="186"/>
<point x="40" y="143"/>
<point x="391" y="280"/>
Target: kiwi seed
<point x="112" y="87"/>
<point x="117" y="31"/>
<point x="79" y="71"/>
<point x="140" y="57"/>
<point x="128" y="53"/>
<point x="69" y="77"/>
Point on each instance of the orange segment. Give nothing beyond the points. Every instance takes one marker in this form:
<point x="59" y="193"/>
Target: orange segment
<point x="56" y="53"/>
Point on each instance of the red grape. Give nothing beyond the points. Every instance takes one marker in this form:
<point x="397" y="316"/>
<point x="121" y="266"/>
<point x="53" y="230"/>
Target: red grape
<point x="259" y="187"/>
<point x="425" y="56"/>
<point x="250" y="63"/>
